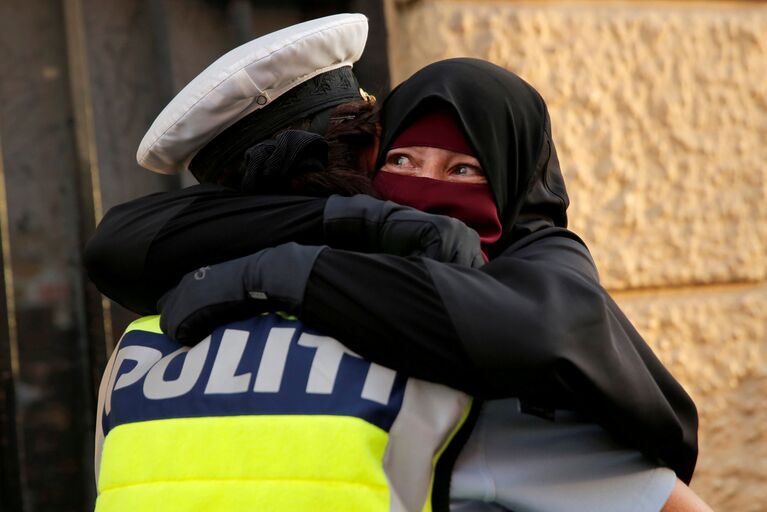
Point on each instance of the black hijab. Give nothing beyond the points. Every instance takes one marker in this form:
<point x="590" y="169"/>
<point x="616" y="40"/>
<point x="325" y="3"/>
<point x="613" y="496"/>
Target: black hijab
<point x="507" y="123"/>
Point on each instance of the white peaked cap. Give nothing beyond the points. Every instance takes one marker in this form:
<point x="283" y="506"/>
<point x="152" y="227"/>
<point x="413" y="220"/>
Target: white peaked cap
<point x="244" y="80"/>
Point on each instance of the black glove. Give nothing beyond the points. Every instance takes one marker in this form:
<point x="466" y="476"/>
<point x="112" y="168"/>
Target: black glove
<point x="273" y="279"/>
<point x="365" y="224"/>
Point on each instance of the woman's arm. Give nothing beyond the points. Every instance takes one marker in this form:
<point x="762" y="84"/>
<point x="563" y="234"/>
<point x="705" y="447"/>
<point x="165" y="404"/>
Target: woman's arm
<point x="534" y="323"/>
<point x="684" y="499"/>
<point x="143" y="247"/>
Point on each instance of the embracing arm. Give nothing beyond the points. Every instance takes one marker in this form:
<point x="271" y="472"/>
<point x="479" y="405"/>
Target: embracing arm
<point x="534" y="323"/>
<point x="474" y="329"/>
<point x="143" y="247"/>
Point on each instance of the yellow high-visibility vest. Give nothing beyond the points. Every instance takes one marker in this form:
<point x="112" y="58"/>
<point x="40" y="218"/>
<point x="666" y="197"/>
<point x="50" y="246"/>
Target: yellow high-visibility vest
<point x="265" y="414"/>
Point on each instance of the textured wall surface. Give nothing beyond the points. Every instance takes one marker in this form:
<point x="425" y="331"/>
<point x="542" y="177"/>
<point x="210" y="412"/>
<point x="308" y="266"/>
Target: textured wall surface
<point x="715" y="342"/>
<point x="659" y="113"/>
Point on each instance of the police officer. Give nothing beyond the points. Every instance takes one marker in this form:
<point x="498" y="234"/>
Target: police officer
<point x="266" y="413"/>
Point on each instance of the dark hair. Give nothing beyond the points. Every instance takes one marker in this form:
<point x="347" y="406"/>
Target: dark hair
<point x="220" y="161"/>
<point x="352" y="137"/>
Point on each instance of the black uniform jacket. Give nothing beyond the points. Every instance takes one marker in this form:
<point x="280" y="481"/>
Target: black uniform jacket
<point x="533" y="323"/>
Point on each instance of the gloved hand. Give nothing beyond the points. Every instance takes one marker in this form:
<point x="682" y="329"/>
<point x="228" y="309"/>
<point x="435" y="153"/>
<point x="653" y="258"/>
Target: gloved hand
<point x="365" y="224"/>
<point x="269" y="280"/>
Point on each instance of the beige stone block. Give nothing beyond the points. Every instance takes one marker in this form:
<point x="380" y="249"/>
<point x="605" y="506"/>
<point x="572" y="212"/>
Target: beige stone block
<point x="659" y="113"/>
<point x="715" y="343"/>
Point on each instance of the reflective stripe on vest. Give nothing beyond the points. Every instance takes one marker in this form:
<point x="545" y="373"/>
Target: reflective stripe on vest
<point x="265" y="414"/>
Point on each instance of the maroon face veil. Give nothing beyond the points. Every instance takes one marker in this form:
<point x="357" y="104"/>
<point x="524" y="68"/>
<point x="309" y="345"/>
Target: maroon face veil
<point x="471" y="203"/>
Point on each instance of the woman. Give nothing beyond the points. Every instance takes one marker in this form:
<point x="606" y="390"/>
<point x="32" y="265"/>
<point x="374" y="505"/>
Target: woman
<point x="531" y="258"/>
<point x="456" y="330"/>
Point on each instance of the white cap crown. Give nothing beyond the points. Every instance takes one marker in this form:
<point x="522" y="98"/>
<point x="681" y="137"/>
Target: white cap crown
<point x="244" y="80"/>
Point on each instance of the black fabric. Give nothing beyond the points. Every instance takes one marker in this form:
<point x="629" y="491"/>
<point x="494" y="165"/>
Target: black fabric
<point x="329" y="88"/>
<point x="142" y="248"/>
<point x="507" y="123"/>
<point x="533" y="323"/>
<point x="270" y="165"/>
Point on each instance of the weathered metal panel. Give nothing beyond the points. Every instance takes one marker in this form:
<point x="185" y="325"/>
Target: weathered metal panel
<point x="81" y="81"/>
<point x="52" y="396"/>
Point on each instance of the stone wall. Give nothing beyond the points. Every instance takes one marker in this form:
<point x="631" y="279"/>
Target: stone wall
<point x="660" y="117"/>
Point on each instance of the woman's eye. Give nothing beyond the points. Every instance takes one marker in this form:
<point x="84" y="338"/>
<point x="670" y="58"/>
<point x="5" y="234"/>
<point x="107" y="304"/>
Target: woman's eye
<point x="400" y="161"/>
<point x="463" y="170"/>
<point x="467" y="170"/>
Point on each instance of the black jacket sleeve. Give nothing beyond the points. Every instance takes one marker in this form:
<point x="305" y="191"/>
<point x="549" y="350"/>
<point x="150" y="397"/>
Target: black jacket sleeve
<point x="143" y="247"/>
<point x="533" y="323"/>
